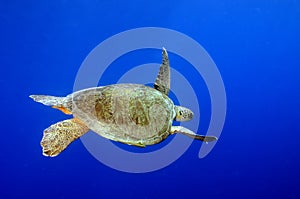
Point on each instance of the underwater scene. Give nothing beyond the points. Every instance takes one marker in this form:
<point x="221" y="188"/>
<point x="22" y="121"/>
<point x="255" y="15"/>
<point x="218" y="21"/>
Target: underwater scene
<point x="150" y="99"/>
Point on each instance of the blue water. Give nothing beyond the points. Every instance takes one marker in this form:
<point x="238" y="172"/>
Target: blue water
<point x="255" y="44"/>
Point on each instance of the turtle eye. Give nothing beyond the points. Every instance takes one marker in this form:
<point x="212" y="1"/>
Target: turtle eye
<point x="180" y="112"/>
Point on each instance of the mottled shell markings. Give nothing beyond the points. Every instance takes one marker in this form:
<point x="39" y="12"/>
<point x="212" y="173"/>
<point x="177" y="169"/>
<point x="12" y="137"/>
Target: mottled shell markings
<point x="129" y="113"/>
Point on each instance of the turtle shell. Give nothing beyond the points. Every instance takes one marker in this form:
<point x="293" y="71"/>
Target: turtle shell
<point x="129" y="113"/>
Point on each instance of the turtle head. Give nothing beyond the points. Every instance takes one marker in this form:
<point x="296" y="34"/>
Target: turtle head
<point x="183" y="114"/>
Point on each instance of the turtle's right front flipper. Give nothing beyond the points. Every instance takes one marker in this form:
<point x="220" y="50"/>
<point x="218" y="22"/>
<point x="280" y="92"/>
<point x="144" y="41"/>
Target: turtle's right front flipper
<point x="58" y="136"/>
<point x="187" y="132"/>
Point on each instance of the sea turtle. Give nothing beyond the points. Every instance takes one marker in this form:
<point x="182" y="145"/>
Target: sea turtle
<point x="129" y="113"/>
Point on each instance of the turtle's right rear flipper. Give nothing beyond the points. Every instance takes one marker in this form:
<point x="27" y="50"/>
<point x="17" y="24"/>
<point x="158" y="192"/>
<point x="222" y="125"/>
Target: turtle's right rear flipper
<point x="58" y="136"/>
<point x="48" y="100"/>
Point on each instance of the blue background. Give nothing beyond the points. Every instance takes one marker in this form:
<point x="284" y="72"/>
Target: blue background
<point x="255" y="44"/>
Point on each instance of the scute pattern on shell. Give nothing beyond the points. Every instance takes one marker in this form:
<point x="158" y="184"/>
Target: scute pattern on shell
<point x="128" y="113"/>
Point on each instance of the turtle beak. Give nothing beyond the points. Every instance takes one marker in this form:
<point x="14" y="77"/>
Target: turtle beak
<point x="183" y="114"/>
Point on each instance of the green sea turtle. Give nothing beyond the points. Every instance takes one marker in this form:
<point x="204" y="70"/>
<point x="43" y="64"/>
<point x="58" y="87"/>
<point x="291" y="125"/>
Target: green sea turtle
<point x="129" y="113"/>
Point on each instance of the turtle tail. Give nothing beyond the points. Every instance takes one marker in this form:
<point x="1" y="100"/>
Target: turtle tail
<point x="48" y="100"/>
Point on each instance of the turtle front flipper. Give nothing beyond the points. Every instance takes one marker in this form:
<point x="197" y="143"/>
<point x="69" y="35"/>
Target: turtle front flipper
<point x="162" y="82"/>
<point x="185" y="131"/>
<point x="58" y="136"/>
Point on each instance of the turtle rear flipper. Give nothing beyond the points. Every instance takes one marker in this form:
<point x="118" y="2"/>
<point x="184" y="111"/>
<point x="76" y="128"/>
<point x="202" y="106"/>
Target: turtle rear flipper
<point x="48" y="100"/>
<point x="187" y="132"/>
<point x="58" y="136"/>
<point x="54" y="102"/>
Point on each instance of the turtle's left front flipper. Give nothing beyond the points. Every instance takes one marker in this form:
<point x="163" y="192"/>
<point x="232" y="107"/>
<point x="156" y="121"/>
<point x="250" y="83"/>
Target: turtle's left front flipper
<point x="58" y="136"/>
<point x="162" y="82"/>
<point x="185" y="131"/>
